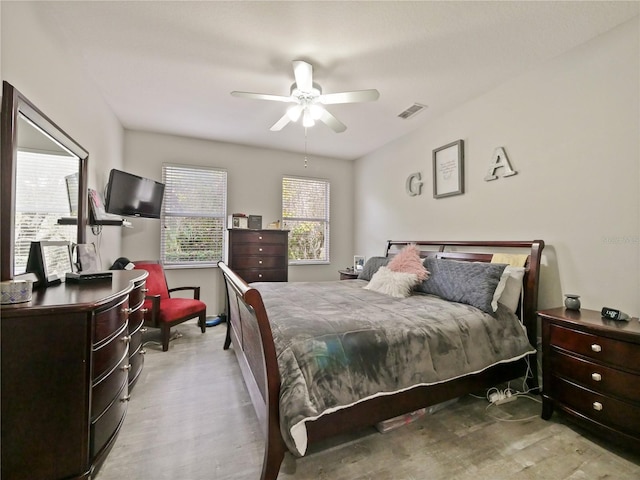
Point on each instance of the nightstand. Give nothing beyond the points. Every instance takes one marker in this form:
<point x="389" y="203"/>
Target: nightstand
<point x="591" y="372"/>
<point x="348" y="274"/>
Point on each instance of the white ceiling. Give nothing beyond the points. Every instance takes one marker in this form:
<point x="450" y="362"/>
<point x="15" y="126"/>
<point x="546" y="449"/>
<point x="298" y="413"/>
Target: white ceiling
<point x="170" y="66"/>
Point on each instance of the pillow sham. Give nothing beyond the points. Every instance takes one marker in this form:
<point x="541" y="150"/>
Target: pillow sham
<point x="371" y="266"/>
<point x="509" y="289"/>
<point x="395" y="284"/>
<point x="408" y="260"/>
<point x="472" y="283"/>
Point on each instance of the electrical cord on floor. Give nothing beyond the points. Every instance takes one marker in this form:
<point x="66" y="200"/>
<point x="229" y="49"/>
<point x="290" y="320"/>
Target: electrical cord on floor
<point x="175" y="335"/>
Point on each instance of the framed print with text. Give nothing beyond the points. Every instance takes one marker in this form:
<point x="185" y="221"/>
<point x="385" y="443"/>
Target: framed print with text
<point x="448" y="170"/>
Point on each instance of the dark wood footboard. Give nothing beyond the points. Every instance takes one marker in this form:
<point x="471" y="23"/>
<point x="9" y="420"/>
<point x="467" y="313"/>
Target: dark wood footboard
<point x="249" y="331"/>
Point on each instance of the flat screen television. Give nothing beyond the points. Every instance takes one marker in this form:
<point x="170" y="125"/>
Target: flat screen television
<point x="133" y="196"/>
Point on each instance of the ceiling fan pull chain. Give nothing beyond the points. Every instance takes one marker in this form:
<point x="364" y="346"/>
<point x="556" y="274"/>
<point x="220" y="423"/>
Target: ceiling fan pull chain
<point x="305" y="147"/>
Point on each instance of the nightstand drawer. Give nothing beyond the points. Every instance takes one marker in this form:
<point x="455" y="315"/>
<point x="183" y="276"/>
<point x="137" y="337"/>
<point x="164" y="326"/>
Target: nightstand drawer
<point x="596" y="377"/>
<point x="601" y="349"/>
<point x="602" y="409"/>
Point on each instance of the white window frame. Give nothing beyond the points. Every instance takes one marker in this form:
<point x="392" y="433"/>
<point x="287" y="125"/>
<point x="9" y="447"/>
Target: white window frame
<point x="211" y="206"/>
<point x="298" y="217"/>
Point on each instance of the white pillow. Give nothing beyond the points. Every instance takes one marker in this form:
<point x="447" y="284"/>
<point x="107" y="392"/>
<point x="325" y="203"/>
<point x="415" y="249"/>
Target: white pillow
<point x="396" y="284"/>
<point x="509" y="289"/>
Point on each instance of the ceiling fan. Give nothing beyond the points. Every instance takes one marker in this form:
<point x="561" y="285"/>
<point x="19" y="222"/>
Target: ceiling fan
<point x="309" y="101"/>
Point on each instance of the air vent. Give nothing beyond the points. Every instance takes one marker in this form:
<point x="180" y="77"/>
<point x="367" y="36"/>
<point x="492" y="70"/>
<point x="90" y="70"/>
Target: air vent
<point x="412" y="110"/>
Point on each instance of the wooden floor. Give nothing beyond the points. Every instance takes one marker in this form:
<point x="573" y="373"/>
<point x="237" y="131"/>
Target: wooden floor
<point x="190" y="418"/>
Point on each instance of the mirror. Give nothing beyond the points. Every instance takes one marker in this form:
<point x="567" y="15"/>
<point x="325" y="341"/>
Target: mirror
<point x="44" y="182"/>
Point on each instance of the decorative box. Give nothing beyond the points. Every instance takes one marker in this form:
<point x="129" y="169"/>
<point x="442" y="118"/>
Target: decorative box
<point x="16" y="291"/>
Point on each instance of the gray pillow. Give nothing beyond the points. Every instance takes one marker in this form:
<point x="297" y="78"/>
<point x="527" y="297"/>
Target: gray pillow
<point x="372" y="266"/>
<point x="472" y="283"/>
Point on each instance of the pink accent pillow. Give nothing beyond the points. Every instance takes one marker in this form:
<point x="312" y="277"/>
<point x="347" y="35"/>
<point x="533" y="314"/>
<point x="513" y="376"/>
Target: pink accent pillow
<point x="408" y="260"/>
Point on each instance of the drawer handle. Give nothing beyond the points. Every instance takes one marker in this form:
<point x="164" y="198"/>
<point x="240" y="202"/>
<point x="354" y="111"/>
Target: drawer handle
<point x="260" y="262"/>
<point x="260" y="249"/>
<point x="260" y="237"/>
<point x="259" y="275"/>
<point x="596" y="377"/>
<point x="143" y="330"/>
<point x="126" y="339"/>
<point x="597" y="406"/>
<point x="126" y="398"/>
<point x="126" y="367"/>
<point x="596" y="348"/>
<point x="127" y="310"/>
<point x="144" y="310"/>
<point x="144" y="290"/>
<point x="142" y="352"/>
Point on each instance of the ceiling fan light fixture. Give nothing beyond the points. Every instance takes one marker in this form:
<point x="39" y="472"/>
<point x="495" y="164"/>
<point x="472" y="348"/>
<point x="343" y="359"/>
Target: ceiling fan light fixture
<point x="315" y="110"/>
<point x="307" y="119"/>
<point x="294" y="112"/>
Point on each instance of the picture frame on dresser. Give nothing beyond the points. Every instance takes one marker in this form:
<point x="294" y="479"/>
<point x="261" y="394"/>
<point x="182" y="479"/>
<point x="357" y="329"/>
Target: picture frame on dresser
<point x="49" y="261"/>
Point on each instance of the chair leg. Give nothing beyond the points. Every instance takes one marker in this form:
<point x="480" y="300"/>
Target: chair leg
<point x="202" y="321"/>
<point x="165" y="333"/>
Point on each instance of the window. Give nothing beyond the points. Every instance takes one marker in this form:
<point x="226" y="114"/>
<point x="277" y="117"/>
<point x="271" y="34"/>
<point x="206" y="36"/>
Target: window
<point x="193" y="216"/>
<point x="43" y="195"/>
<point x="305" y="213"/>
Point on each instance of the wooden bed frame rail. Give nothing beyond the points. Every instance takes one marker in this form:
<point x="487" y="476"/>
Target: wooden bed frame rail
<point x="249" y="331"/>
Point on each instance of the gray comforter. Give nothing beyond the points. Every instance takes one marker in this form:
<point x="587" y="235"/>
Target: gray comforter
<point x="339" y="344"/>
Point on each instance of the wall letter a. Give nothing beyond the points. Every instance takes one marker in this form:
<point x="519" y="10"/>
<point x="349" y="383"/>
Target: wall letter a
<point x="499" y="160"/>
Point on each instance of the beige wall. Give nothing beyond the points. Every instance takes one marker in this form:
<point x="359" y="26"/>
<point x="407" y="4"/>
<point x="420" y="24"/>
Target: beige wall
<point x="254" y="187"/>
<point x="571" y="130"/>
<point x="41" y="68"/>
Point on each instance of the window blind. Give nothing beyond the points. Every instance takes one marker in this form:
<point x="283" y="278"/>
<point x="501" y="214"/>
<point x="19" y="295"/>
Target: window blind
<point x="41" y="199"/>
<point x="305" y="213"/>
<point x="193" y="216"/>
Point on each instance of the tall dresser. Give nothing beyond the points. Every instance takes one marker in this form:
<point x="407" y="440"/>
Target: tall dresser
<point x="66" y="374"/>
<point x="259" y="255"/>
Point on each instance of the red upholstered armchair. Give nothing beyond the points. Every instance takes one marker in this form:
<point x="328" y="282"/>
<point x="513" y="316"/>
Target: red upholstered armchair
<point x="163" y="311"/>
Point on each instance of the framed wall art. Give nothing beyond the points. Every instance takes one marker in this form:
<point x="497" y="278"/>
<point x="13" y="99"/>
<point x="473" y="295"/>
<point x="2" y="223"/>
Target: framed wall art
<point x="358" y="263"/>
<point x="448" y="170"/>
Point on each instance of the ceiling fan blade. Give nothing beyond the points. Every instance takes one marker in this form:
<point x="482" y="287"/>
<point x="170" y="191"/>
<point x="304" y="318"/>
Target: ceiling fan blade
<point x="303" y="72"/>
<point x="350" y="97"/>
<point x="332" y="122"/>
<point x="280" y="124"/>
<point x="263" y="96"/>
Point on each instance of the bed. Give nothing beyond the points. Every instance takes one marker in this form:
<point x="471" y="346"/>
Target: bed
<point x="325" y="358"/>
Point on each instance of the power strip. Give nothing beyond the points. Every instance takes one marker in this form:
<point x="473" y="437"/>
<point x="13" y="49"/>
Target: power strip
<point x="506" y="400"/>
<point x="500" y="397"/>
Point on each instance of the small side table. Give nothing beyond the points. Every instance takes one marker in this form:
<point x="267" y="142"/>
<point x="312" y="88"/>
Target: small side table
<point x="590" y="370"/>
<point x="348" y="274"/>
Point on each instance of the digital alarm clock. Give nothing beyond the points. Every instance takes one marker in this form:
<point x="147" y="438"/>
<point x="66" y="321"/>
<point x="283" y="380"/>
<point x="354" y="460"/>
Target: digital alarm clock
<point x="614" y="314"/>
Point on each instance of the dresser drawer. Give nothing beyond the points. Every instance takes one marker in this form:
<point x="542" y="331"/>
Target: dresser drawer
<point x="596" y="377"/>
<point x="251" y="236"/>
<point x="243" y="249"/>
<point x="107" y="355"/>
<point x="136" y="296"/>
<point x="623" y="416"/>
<point x="105" y="426"/>
<point x="250" y="261"/>
<point x="104" y="392"/>
<point x="601" y="349"/>
<point x="110" y="320"/>
<point x="278" y="275"/>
